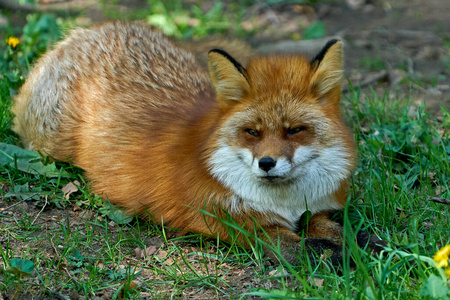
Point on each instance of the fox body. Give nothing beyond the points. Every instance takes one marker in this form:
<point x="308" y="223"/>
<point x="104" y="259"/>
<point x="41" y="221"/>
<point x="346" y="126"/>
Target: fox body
<point x="155" y="132"/>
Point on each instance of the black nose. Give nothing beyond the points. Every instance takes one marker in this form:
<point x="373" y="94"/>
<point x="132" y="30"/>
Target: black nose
<point x="266" y="163"/>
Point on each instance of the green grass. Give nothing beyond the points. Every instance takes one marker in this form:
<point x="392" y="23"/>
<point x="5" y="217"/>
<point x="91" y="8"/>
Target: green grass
<point x="83" y="246"/>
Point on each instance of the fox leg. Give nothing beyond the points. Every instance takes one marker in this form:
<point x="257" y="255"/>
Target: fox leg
<point x="291" y="245"/>
<point x="322" y="234"/>
<point x="321" y="226"/>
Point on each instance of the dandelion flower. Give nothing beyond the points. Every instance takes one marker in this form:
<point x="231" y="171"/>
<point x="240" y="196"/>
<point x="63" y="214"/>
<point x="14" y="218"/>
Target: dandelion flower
<point x="441" y="257"/>
<point x="12" y="41"/>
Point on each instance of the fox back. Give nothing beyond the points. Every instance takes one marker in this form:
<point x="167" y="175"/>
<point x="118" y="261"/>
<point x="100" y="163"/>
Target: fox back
<point x="157" y="133"/>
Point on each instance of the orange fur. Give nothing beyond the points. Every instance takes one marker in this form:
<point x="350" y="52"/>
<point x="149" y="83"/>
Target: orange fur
<point x="146" y="123"/>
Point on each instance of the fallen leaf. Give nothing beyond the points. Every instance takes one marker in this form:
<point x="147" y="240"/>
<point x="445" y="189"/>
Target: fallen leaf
<point x="132" y="285"/>
<point x="427" y="225"/>
<point x="161" y="254"/>
<point x="70" y="188"/>
<point x="304" y="9"/>
<point x="150" y="250"/>
<point x="318" y="282"/>
<point x="56" y="218"/>
<point x="277" y="272"/>
<point x="144" y="253"/>
<point x="138" y="252"/>
<point x="169" y="261"/>
<point x="247" y="25"/>
<point x="129" y="287"/>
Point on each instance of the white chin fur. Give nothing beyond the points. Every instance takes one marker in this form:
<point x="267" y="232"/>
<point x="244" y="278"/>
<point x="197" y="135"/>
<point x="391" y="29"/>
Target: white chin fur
<point x="307" y="183"/>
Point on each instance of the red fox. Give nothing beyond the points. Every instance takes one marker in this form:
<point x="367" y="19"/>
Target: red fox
<point x="156" y="133"/>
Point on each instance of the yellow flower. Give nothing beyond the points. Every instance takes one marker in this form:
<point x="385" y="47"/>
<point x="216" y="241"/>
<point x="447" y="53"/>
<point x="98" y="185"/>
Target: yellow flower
<point x="441" y="257"/>
<point x="447" y="272"/>
<point x="12" y="41"/>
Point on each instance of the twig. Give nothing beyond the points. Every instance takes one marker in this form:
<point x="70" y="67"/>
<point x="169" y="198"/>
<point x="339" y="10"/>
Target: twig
<point x="45" y="204"/>
<point x="71" y="277"/>
<point x="57" y="256"/>
<point x="369" y="80"/>
<point x="439" y="200"/>
<point x="59" y="295"/>
<point x="17" y="203"/>
<point x="15" y="292"/>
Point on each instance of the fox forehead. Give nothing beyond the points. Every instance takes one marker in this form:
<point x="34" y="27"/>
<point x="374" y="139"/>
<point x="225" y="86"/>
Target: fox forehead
<point x="272" y="75"/>
<point x="276" y="114"/>
<point x="279" y="91"/>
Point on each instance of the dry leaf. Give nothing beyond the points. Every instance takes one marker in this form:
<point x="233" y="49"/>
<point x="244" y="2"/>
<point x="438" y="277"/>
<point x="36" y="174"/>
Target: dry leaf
<point x="427" y="225"/>
<point x="69" y="189"/>
<point x="247" y="25"/>
<point x="169" y="261"/>
<point x="278" y="272"/>
<point x="304" y="9"/>
<point x="56" y="218"/>
<point x="161" y="254"/>
<point x="318" y="282"/>
<point x="150" y="250"/>
<point x="130" y="287"/>
<point x="144" y="253"/>
<point x="138" y="252"/>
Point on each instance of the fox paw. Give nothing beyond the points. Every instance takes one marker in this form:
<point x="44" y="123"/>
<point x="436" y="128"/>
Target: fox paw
<point x="314" y="248"/>
<point x="323" y="249"/>
<point x="372" y="242"/>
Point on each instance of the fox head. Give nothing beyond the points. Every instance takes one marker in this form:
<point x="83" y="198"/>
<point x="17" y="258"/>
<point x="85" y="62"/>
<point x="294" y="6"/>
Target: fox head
<point x="281" y="126"/>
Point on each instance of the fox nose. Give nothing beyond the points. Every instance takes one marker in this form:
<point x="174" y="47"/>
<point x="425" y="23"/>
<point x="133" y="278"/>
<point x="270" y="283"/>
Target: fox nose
<point x="266" y="163"/>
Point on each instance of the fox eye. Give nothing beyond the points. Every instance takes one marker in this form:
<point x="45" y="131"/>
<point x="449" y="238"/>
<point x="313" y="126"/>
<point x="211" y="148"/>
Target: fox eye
<point x="292" y="131"/>
<point x="252" y="132"/>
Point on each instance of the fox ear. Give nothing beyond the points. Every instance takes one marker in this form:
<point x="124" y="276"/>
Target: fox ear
<point x="328" y="68"/>
<point x="228" y="77"/>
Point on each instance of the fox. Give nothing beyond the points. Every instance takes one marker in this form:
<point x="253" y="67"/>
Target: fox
<point x="158" y="134"/>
